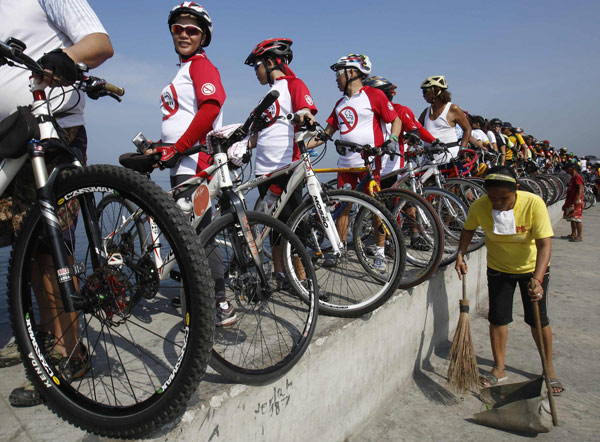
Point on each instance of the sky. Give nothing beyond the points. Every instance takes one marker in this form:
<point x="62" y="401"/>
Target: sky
<point x="533" y="63"/>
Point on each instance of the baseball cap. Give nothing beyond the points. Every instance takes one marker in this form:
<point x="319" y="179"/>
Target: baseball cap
<point x="507" y="124"/>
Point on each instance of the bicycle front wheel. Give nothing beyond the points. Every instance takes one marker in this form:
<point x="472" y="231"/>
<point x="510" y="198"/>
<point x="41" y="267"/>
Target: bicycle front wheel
<point x="276" y="312"/>
<point x="422" y="232"/>
<point x="359" y="280"/>
<point x="126" y="362"/>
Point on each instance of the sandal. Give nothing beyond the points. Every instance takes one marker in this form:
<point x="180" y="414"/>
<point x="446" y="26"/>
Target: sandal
<point x="555" y="383"/>
<point x="569" y="237"/>
<point x="575" y="240"/>
<point x="490" y="380"/>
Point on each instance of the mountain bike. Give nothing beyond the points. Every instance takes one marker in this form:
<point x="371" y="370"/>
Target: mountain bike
<point x="420" y="224"/>
<point x="86" y="303"/>
<point x="349" y="283"/>
<point x="276" y="316"/>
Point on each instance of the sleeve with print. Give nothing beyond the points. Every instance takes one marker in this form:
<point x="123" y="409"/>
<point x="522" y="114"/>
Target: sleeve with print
<point x="301" y="97"/>
<point x="541" y="226"/>
<point x="207" y="81"/>
<point x="333" y="118"/>
<point x="381" y="105"/>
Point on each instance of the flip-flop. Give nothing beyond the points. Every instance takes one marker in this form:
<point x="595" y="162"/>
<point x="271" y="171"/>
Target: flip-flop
<point x="491" y="379"/>
<point x="569" y="237"/>
<point x="575" y="240"/>
<point x="555" y="383"/>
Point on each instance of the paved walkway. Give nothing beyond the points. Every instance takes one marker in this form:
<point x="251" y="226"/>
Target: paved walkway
<point x="427" y="411"/>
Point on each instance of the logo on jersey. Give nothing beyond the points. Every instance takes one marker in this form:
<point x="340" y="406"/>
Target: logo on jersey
<point x="170" y="105"/>
<point x="273" y="111"/>
<point x="349" y="118"/>
<point x="390" y="107"/>
<point x="208" y="89"/>
<point x="309" y="100"/>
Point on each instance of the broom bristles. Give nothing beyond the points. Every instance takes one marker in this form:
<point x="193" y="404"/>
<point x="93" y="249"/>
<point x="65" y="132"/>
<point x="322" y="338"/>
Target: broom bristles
<point x="463" y="373"/>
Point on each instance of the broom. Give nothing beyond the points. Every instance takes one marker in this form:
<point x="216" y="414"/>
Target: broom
<point x="463" y="373"/>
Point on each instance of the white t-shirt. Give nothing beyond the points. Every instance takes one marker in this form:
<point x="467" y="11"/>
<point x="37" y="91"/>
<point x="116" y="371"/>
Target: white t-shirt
<point x="480" y="135"/>
<point x="275" y="146"/>
<point x="491" y="136"/>
<point x="362" y="119"/>
<point x="44" y="25"/>
<point x="197" y="81"/>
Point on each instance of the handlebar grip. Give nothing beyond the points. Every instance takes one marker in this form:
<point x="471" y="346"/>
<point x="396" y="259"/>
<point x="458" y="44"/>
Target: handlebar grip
<point x="266" y="102"/>
<point x="294" y="118"/>
<point x="115" y="89"/>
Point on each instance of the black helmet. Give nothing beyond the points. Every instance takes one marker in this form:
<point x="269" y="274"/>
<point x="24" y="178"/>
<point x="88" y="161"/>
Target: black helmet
<point x="495" y="122"/>
<point x="383" y="84"/>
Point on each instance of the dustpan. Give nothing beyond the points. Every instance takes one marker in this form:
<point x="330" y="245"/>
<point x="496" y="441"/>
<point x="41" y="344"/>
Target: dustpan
<point x="520" y="407"/>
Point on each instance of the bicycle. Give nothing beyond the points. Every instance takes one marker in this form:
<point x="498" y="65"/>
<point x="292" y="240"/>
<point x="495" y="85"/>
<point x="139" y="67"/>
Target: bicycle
<point x="77" y="278"/>
<point x="420" y="225"/>
<point x="277" y="319"/>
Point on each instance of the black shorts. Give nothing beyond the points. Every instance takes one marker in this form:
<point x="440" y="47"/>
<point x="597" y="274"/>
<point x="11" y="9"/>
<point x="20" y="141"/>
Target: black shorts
<point x="501" y="288"/>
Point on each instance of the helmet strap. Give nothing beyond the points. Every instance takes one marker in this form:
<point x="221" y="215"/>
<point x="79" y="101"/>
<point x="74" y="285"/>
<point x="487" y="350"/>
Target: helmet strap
<point x="349" y="80"/>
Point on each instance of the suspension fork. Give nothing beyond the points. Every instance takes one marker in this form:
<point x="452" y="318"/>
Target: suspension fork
<point x="71" y="298"/>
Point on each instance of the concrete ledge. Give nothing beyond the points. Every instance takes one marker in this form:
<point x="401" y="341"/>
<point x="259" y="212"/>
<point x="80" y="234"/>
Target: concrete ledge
<point x="350" y="370"/>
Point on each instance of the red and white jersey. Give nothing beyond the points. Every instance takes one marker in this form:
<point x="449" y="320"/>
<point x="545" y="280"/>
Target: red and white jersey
<point x="362" y="119"/>
<point x="197" y="81"/>
<point x="275" y="147"/>
<point x="409" y="122"/>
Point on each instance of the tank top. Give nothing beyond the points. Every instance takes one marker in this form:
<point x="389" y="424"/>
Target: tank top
<point x="440" y="128"/>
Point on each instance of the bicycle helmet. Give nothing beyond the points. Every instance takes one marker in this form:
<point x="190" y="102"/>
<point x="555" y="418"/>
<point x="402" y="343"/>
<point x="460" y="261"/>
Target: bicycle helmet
<point x="435" y="80"/>
<point x="197" y="11"/>
<point x="383" y="84"/>
<point x="279" y="49"/>
<point x="357" y="61"/>
<point x="495" y="121"/>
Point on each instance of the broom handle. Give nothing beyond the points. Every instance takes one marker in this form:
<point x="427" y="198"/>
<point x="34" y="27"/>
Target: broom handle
<point x="538" y="328"/>
<point x="464" y="284"/>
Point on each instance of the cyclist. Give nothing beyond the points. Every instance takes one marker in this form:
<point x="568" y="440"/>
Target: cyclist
<point x="361" y="116"/>
<point x="191" y="106"/>
<point x="442" y="117"/>
<point x="513" y="143"/>
<point x="62" y="36"/>
<point x="409" y="123"/>
<point x="478" y="136"/>
<point x="275" y="145"/>
<point x="496" y="131"/>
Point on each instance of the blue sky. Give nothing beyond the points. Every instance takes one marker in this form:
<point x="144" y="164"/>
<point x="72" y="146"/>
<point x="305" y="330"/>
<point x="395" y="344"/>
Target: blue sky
<point x="533" y="63"/>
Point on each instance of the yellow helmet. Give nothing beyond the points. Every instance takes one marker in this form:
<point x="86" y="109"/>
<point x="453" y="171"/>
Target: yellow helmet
<point x="435" y="80"/>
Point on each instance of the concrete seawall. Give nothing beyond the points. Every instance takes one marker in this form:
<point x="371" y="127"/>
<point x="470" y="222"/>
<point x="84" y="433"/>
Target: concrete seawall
<point x="350" y="370"/>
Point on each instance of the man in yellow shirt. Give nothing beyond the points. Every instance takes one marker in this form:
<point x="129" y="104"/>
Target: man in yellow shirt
<point x="516" y="143"/>
<point x="518" y="239"/>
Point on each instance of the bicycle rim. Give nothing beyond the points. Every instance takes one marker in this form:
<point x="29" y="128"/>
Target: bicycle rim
<point x="275" y="319"/>
<point x="144" y="357"/>
<point x="352" y="285"/>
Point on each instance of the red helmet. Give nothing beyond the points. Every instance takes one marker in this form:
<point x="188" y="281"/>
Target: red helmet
<point x="197" y="11"/>
<point x="277" y="48"/>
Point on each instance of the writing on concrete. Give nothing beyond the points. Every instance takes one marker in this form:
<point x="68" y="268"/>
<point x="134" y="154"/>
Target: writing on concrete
<point x="279" y="400"/>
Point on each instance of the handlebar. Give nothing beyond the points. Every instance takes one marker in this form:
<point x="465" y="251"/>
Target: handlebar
<point x="11" y="53"/>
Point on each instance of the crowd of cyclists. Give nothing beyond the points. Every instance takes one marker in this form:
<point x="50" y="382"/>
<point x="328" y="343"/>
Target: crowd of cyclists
<point x="393" y="140"/>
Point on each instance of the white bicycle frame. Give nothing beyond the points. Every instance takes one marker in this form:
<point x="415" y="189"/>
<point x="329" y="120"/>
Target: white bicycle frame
<point x="302" y="171"/>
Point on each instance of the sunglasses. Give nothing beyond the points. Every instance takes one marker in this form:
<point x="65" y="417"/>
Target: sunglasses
<point x="256" y="65"/>
<point x="190" y="30"/>
<point x="338" y="73"/>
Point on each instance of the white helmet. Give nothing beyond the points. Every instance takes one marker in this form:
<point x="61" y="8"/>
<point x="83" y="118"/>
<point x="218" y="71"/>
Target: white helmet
<point x="357" y="61"/>
<point x="197" y="11"/>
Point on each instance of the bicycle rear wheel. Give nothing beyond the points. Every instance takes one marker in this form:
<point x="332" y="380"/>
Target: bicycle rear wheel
<point x="422" y="233"/>
<point x="276" y="318"/>
<point x="351" y="285"/>
<point x="127" y="361"/>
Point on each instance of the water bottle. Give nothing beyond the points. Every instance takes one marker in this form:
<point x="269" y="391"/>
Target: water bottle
<point x="271" y="197"/>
